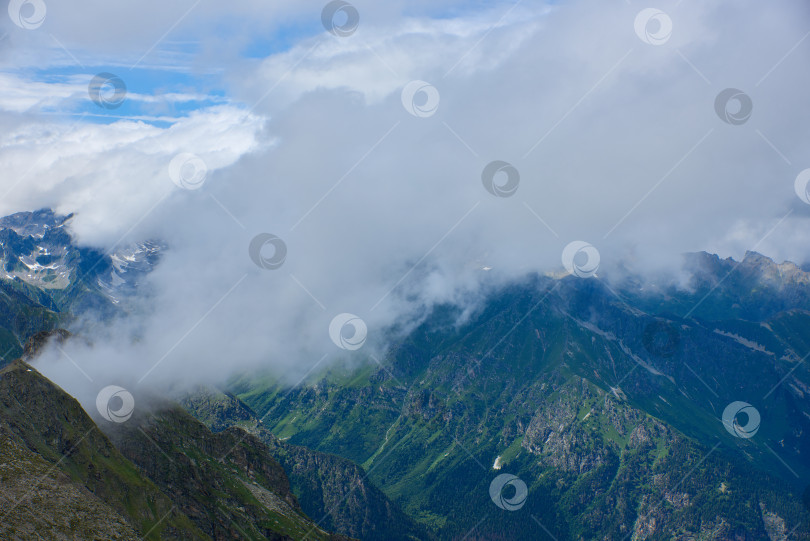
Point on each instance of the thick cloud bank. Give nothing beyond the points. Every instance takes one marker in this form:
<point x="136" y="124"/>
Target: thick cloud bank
<point x="368" y="156"/>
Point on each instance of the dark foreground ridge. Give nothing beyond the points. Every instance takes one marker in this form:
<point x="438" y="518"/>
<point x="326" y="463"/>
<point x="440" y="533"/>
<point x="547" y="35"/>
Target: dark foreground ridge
<point x="161" y="475"/>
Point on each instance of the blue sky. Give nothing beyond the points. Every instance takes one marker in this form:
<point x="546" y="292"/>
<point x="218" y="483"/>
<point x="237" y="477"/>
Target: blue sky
<point x="202" y="90"/>
<point x="185" y="66"/>
<point x="169" y="74"/>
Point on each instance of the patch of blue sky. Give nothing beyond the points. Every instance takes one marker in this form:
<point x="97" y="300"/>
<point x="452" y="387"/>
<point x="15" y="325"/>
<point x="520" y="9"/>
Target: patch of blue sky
<point x="163" y="84"/>
<point x="153" y="95"/>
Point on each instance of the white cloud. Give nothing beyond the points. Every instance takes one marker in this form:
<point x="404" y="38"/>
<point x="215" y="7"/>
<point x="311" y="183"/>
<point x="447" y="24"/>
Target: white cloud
<point x="113" y="174"/>
<point x="616" y="141"/>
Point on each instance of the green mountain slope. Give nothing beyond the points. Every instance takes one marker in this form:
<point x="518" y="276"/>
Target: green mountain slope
<point x="39" y="500"/>
<point x="228" y="483"/>
<point x="24" y="311"/>
<point x="331" y="489"/>
<point x="651" y="461"/>
<point x="49" y="429"/>
<point x="603" y="399"/>
<point x="160" y="475"/>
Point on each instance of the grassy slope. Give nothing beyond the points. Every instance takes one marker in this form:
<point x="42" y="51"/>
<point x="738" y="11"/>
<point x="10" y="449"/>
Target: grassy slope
<point x="228" y="483"/>
<point x="331" y="489"/>
<point x="52" y="425"/>
<point x="160" y="475"/>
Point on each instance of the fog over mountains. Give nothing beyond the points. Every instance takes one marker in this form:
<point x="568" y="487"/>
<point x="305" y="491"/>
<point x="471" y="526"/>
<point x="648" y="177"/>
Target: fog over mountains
<point x="617" y="142"/>
<point x="579" y="388"/>
<point x="567" y="237"/>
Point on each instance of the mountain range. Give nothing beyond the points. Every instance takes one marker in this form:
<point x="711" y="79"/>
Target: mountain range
<point x="561" y="408"/>
<point x="608" y="401"/>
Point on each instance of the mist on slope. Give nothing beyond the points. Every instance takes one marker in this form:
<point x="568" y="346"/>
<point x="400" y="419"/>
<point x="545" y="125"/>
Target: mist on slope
<point x="376" y="189"/>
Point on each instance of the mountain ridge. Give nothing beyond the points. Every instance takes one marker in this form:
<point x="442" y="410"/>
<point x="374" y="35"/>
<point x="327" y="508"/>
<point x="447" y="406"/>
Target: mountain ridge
<point x="473" y="392"/>
<point x="117" y="479"/>
<point x="607" y="399"/>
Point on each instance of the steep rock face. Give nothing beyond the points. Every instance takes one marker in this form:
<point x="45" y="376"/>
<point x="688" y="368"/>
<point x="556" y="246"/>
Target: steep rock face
<point x="340" y="495"/>
<point x="755" y="288"/>
<point x="651" y="482"/>
<point x="33" y="224"/>
<point x="333" y="490"/>
<point x="561" y="431"/>
<point x="767" y="271"/>
<point x="555" y="433"/>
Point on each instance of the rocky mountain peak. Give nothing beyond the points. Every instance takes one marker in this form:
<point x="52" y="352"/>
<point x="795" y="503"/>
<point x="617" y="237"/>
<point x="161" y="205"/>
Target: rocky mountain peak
<point x="774" y="273"/>
<point x="34" y="224"/>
